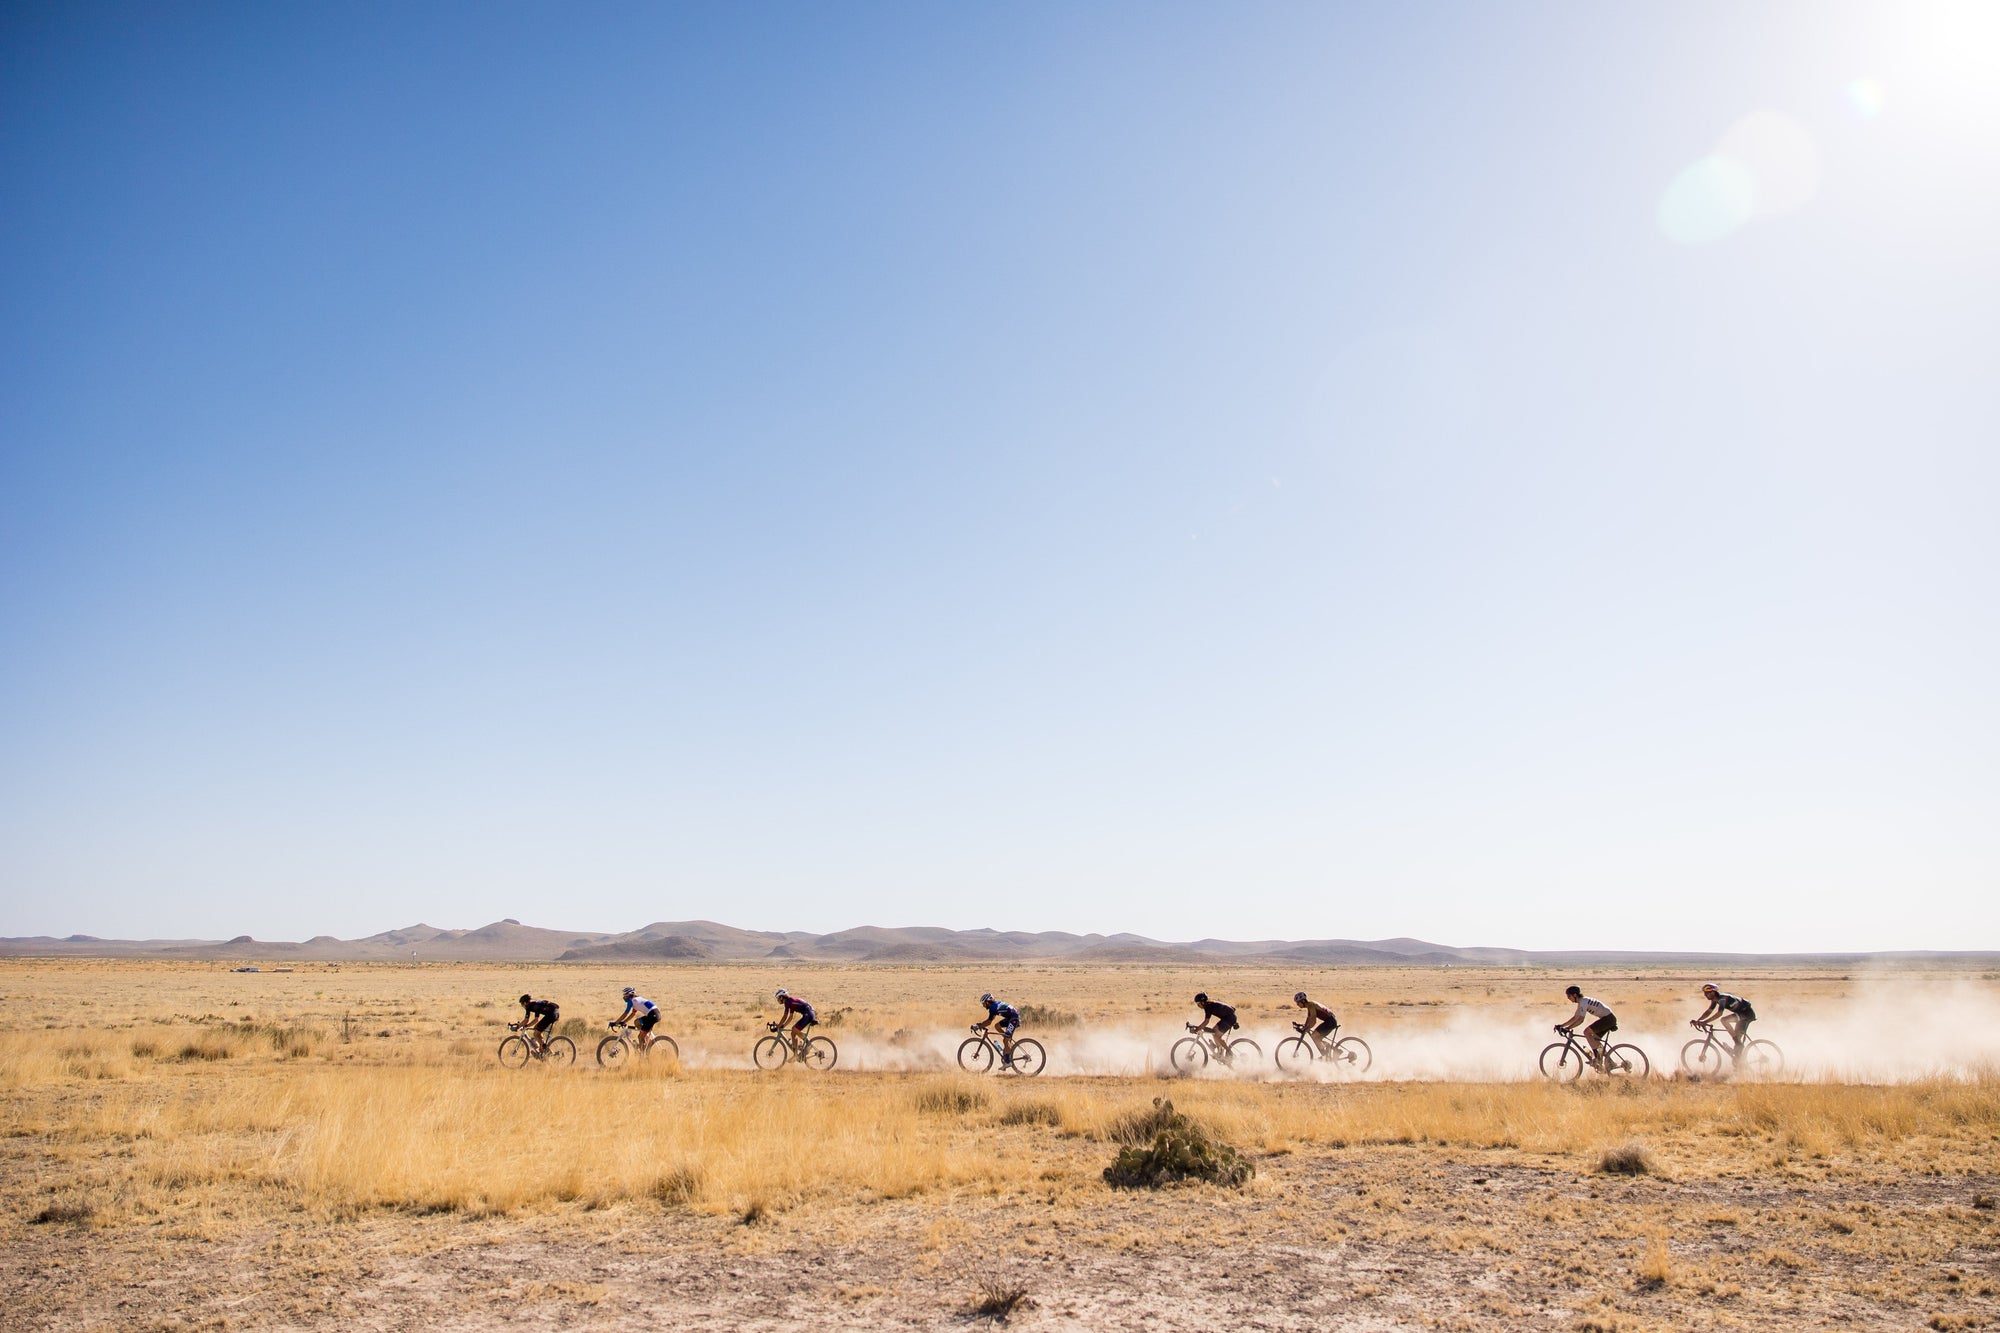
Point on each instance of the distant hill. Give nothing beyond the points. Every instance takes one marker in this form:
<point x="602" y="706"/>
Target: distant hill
<point x="708" y="941"/>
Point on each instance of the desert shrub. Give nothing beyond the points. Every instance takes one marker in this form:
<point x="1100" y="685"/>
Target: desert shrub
<point x="1181" y="1150"/>
<point x="1040" y="1016"/>
<point x="949" y="1098"/>
<point x="1032" y="1113"/>
<point x="678" y="1187"/>
<point x="145" y="1048"/>
<point x="999" y="1299"/>
<point x="1630" y="1160"/>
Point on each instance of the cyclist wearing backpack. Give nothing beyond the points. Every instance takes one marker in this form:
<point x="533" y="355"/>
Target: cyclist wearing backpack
<point x="642" y="1013"/>
<point x="1733" y="1011"/>
<point x="1008" y="1018"/>
<point x="1603" y="1024"/>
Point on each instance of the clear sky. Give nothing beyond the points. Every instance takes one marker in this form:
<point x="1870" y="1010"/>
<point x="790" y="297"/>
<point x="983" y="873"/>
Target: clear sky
<point x="1507" y="474"/>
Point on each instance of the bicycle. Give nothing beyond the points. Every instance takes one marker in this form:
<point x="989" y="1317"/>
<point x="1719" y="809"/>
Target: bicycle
<point x="783" y="1044"/>
<point x="1350" y="1055"/>
<point x="623" y="1044"/>
<point x="1564" y="1060"/>
<point x="1756" y="1057"/>
<point x="1193" y="1053"/>
<point x="976" y="1053"/>
<point x="517" y="1050"/>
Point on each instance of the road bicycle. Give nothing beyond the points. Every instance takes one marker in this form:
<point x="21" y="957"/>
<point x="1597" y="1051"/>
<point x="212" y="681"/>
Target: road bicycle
<point x="1704" y="1055"/>
<point x="1564" y="1061"/>
<point x="1192" y="1054"/>
<point x="516" y="1051"/>
<point x="1349" y="1055"/>
<point x="624" y="1043"/>
<point x="783" y="1045"/>
<point x="978" y="1052"/>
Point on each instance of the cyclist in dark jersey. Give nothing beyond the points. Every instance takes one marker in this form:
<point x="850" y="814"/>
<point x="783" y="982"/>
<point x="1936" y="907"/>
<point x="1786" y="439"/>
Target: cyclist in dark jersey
<point x="1318" y="1017"/>
<point x="539" y="1017"/>
<point x="795" y="1006"/>
<point x="1214" y="1011"/>
<point x="1734" y="1012"/>
<point x="1008" y="1018"/>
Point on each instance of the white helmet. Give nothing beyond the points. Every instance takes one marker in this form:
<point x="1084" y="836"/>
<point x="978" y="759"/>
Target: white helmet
<point x="781" y="992"/>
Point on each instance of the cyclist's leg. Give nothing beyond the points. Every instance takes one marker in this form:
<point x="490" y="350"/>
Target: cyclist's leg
<point x="1007" y="1042"/>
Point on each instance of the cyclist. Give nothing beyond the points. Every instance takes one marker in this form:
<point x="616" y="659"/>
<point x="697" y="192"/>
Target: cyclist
<point x="539" y="1017"/>
<point x="1218" y="1013"/>
<point x="1603" y="1024"/>
<point x="794" y="1005"/>
<point x="1733" y="1011"/>
<point x="642" y="1013"/>
<point x="1318" y="1017"/>
<point x="1008" y="1017"/>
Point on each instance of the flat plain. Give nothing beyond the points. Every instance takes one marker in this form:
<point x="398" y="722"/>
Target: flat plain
<point x="336" y="1146"/>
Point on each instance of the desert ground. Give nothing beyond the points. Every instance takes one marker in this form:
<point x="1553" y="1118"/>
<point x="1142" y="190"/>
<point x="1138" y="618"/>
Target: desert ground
<point x="337" y="1146"/>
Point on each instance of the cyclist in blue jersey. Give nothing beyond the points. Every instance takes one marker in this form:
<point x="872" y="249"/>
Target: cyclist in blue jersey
<point x="1007" y="1018"/>
<point x="642" y="1014"/>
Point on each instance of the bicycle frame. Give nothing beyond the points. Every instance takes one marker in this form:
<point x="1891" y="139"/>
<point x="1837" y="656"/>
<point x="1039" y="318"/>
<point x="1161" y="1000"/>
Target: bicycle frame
<point x="1728" y="1040"/>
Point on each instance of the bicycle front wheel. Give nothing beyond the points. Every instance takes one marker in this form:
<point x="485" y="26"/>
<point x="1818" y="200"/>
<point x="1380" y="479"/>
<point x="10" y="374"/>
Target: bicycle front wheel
<point x="1189" y="1055"/>
<point x="1627" y="1062"/>
<point x="1029" y="1057"/>
<point x="562" y="1051"/>
<point x="821" y="1053"/>
<point x="612" y="1052"/>
<point x="975" y="1054"/>
<point x="1702" y="1057"/>
<point x="1295" y="1054"/>
<point x="1763" y="1059"/>
<point x="1562" y="1061"/>
<point x="1243" y="1053"/>
<point x="770" y="1052"/>
<point x="1352" y="1056"/>
<point x="514" y="1052"/>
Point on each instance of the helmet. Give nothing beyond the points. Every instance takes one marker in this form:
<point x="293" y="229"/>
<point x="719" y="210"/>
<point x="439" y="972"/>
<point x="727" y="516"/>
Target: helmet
<point x="986" y="998"/>
<point x="781" y="992"/>
<point x="526" y="998"/>
<point x="630" y="992"/>
<point x="1300" y="998"/>
<point x="1708" y="988"/>
<point x="1572" y="990"/>
<point x="1201" y="997"/>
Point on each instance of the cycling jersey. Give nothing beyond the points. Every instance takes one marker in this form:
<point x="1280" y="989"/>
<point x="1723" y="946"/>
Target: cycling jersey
<point x="639" y="1004"/>
<point x="1319" y="1013"/>
<point x="794" y="1005"/>
<point x="1732" y="1004"/>
<point x="1587" y="1007"/>
<point x="1004" y="1014"/>
<point x="1224" y="1015"/>
<point x="542" y="1008"/>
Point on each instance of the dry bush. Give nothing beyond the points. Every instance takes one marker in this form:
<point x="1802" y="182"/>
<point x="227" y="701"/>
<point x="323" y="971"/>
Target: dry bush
<point x="1000" y="1299"/>
<point x="1631" y="1159"/>
<point x="1033" y="1111"/>
<point x="949" y="1096"/>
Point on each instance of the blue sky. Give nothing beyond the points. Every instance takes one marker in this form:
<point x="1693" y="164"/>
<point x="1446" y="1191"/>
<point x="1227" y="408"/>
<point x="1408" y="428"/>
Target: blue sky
<point x="1503" y="475"/>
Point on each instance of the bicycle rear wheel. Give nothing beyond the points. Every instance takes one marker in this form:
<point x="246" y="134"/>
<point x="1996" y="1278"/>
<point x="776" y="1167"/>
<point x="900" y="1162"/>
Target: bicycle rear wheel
<point x="612" y="1051"/>
<point x="1295" y="1054"/>
<point x="1243" y="1053"/>
<point x="1562" y="1061"/>
<point x="666" y="1046"/>
<point x="562" y="1051"/>
<point x="1352" y="1056"/>
<point x="1763" y="1059"/>
<point x="1189" y="1055"/>
<point x="514" y="1052"/>
<point x="770" y="1052"/>
<point x="1626" y="1062"/>
<point x="975" y="1054"/>
<point x="821" y="1053"/>
<point x="1029" y="1057"/>
<point x="1702" y="1057"/>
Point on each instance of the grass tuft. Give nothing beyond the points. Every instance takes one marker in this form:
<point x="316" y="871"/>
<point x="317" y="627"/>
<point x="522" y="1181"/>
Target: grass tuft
<point x="1630" y="1160"/>
<point x="1000" y="1300"/>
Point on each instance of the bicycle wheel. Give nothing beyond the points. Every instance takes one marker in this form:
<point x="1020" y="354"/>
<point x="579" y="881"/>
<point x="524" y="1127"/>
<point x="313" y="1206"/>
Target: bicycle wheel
<point x="666" y="1046"/>
<point x="1295" y="1054"/>
<point x="1189" y="1055"/>
<point x="514" y="1052"/>
<point x="975" y="1054"/>
<point x="1243" y="1053"/>
<point x="1029" y="1057"/>
<point x="612" y="1051"/>
<point x="562" y="1051"/>
<point x="1702" y="1057"/>
<point x="1627" y="1062"/>
<point x="1562" y="1062"/>
<point x="1763" y="1059"/>
<point x="821" y="1053"/>
<point x="1352" y="1056"/>
<point x="770" y="1052"/>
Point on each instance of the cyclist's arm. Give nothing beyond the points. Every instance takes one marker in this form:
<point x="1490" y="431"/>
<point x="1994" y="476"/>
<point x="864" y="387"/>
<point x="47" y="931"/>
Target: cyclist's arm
<point x="1714" y="1010"/>
<point x="1577" y="1018"/>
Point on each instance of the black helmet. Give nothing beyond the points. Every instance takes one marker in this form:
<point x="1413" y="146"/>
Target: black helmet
<point x="1201" y="997"/>
<point x="1300" y="998"/>
<point x="1572" y="991"/>
<point x="526" y="998"/>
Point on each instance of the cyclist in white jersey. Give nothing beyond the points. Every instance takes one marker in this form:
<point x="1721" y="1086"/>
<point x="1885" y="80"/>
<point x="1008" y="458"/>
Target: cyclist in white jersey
<point x="642" y="1013"/>
<point x="1603" y="1023"/>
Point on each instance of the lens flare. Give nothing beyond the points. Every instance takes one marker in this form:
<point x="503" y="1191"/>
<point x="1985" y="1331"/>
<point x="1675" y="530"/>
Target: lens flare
<point x="1866" y="97"/>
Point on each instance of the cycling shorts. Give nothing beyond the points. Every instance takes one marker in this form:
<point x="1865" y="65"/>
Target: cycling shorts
<point x="1223" y="1025"/>
<point x="1007" y="1025"/>
<point x="1604" y="1026"/>
<point x="648" y="1019"/>
<point x="543" y="1022"/>
<point x="1326" y="1027"/>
